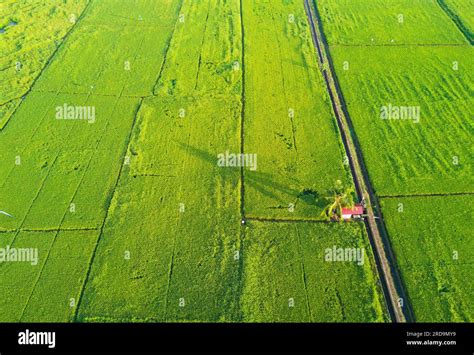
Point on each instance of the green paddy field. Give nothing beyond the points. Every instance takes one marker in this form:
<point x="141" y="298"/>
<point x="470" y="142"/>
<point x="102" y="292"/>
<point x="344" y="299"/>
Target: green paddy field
<point x="134" y="220"/>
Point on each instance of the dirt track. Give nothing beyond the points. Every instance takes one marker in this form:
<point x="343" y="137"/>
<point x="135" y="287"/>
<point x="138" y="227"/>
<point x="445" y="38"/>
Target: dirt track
<point x="392" y="285"/>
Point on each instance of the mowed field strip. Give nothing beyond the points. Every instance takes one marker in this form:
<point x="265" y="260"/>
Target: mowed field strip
<point x="420" y="164"/>
<point x="133" y="218"/>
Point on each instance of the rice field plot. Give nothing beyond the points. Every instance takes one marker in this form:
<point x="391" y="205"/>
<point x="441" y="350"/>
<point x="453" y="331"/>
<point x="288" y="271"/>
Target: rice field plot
<point x="287" y="276"/>
<point x="132" y="13"/>
<point x="375" y="23"/>
<point x="167" y="249"/>
<point x="62" y="171"/>
<point x="126" y="56"/>
<point x="412" y="113"/>
<point x="204" y="55"/>
<point x="288" y="120"/>
<point x="19" y="278"/>
<point x="433" y="244"/>
<point x="30" y="32"/>
<point x="45" y="286"/>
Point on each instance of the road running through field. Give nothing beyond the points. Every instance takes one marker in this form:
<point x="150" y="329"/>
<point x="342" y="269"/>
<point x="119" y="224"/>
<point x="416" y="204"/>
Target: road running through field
<point x="395" y="294"/>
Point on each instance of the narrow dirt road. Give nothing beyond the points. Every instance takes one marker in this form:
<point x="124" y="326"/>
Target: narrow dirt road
<point x="395" y="295"/>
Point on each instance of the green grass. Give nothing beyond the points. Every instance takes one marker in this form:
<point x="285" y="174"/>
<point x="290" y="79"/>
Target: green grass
<point x="376" y="22"/>
<point x="432" y="240"/>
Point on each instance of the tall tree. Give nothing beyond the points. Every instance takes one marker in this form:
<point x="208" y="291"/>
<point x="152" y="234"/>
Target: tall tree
<point x="338" y="198"/>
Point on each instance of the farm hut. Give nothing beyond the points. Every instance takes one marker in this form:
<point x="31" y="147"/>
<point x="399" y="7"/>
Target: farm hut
<point x="356" y="212"/>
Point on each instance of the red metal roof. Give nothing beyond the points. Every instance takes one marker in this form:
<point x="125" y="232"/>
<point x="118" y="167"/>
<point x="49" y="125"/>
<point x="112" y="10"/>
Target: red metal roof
<point x="357" y="210"/>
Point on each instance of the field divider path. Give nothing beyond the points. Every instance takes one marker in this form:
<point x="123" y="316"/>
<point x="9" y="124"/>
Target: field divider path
<point x="165" y="57"/>
<point x="429" y="195"/>
<point x="119" y="175"/>
<point x="457" y="21"/>
<point x="407" y="45"/>
<point x="241" y="235"/>
<point x="303" y="273"/>
<point x="242" y="117"/>
<point x="392" y="285"/>
<point x="202" y="46"/>
<point x="48" y="230"/>
<point x="287" y="220"/>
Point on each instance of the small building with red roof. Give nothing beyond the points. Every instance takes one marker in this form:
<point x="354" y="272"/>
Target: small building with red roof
<point x="356" y="212"/>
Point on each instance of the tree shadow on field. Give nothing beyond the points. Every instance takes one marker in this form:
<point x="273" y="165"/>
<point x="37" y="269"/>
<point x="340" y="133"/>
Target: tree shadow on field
<point x="264" y="183"/>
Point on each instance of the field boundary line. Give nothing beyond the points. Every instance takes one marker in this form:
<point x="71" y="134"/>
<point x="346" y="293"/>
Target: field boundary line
<point x="242" y="115"/>
<point x="300" y="252"/>
<point x="168" y="46"/>
<point x="92" y="258"/>
<point x="400" y="45"/>
<point x="92" y="94"/>
<point x="48" y="62"/>
<point x="450" y="264"/>
<point x="49" y="230"/>
<point x="457" y="21"/>
<point x="389" y="274"/>
<point x="202" y="45"/>
<point x="427" y="195"/>
<point x="242" y="234"/>
<point x="288" y="220"/>
<point x="155" y="176"/>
